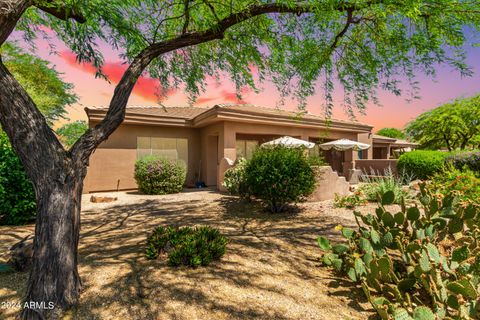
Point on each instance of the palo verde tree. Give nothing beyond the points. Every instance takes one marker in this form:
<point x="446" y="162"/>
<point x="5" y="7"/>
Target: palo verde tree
<point x="454" y="125"/>
<point x="363" y="44"/>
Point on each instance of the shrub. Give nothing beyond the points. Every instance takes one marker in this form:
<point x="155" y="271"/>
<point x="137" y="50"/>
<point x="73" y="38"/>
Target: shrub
<point x="419" y="263"/>
<point x="350" y="201"/>
<point x="317" y="161"/>
<point x="156" y="175"/>
<point x="421" y="164"/>
<point x="235" y="179"/>
<point x="279" y="175"/>
<point x="471" y="160"/>
<point x="462" y="183"/>
<point x="380" y="184"/>
<point x="17" y="197"/>
<point x="186" y="246"/>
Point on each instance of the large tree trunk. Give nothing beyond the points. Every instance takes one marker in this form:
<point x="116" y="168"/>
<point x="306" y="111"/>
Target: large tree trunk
<point x="54" y="281"/>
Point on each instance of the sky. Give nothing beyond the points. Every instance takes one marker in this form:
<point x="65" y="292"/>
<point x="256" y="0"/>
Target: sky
<point x="393" y="112"/>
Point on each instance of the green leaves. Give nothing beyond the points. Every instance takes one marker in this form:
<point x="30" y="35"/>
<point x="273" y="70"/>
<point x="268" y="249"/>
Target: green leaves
<point x="423" y="313"/>
<point x="324" y="243"/>
<point x="388" y="197"/>
<point x="413" y="214"/>
<point x="460" y="254"/>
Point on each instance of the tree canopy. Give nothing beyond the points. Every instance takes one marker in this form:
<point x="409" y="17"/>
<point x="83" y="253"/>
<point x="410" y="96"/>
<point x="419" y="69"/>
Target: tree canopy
<point x="70" y="132"/>
<point x="363" y="44"/>
<point x="42" y="82"/>
<point x="391" y="133"/>
<point x="454" y="125"/>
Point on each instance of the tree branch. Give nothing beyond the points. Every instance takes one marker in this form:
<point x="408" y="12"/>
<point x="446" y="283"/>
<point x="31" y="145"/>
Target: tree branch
<point x="186" y="4"/>
<point x="92" y="138"/>
<point x="61" y="12"/>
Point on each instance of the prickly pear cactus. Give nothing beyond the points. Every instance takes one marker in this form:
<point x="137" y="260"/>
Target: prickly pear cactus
<point x="419" y="262"/>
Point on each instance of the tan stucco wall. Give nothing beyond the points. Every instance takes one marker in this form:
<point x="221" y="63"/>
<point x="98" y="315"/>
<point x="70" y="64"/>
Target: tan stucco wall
<point x="112" y="164"/>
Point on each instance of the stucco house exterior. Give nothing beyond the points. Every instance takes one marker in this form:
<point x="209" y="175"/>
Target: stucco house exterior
<point x="209" y="140"/>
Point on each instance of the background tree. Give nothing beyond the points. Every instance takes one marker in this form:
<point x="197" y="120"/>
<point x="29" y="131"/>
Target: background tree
<point x="41" y="81"/>
<point x="51" y="94"/>
<point x="454" y="125"/>
<point x="70" y="132"/>
<point x="364" y="44"/>
<point x="392" y="133"/>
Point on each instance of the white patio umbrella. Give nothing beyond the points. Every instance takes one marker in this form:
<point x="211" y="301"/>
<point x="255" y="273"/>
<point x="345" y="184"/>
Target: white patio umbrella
<point x="344" y="144"/>
<point x="290" y="142"/>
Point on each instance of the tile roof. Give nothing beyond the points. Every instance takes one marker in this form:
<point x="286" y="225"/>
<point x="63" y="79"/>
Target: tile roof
<point x="190" y="112"/>
<point x="173" y="112"/>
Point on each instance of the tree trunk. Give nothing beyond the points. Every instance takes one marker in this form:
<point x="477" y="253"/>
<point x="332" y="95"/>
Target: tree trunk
<point x="54" y="281"/>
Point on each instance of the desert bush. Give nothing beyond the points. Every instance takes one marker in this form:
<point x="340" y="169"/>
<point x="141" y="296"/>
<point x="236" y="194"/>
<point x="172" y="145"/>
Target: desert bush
<point x="350" y="201"/>
<point x="279" y="176"/>
<point x="470" y="160"/>
<point x="463" y="183"/>
<point x="422" y="262"/>
<point x="316" y="160"/>
<point x="235" y="179"/>
<point x="188" y="246"/>
<point x="376" y="184"/>
<point x="17" y="197"/>
<point x="422" y="164"/>
<point x="156" y="175"/>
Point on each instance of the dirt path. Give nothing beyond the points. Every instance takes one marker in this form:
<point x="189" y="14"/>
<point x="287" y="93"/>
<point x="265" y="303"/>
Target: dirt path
<point x="271" y="269"/>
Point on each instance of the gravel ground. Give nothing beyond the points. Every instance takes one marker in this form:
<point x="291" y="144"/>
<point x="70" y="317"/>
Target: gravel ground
<point x="271" y="269"/>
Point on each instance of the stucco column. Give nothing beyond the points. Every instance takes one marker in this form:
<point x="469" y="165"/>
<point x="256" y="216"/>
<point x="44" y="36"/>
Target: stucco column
<point x="227" y="152"/>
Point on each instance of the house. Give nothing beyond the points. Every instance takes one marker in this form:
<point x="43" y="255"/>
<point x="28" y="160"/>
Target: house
<point x="385" y="152"/>
<point x="388" y="148"/>
<point x="208" y="140"/>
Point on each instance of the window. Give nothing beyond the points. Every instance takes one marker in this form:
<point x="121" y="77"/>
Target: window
<point x="170" y="148"/>
<point x="360" y="154"/>
<point x="245" y="148"/>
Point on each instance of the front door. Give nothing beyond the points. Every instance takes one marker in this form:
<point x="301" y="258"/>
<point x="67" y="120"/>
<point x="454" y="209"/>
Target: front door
<point x="212" y="161"/>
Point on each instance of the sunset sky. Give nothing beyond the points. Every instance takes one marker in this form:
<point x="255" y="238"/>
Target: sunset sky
<point x="394" y="112"/>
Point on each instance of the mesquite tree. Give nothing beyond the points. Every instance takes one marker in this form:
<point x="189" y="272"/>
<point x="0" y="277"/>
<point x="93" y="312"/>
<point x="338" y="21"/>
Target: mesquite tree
<point x="359" y="45"/>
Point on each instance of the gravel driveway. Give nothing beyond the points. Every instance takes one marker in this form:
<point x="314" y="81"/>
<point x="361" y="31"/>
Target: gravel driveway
<point x="271" y="269"/>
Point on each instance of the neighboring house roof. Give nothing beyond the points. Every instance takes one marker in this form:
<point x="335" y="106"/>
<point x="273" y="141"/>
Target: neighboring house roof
<point x="201" y="116"/>
<point x="398" y="143"/>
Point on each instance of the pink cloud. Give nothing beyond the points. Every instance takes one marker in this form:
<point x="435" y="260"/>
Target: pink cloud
<point x="145" y="87"/>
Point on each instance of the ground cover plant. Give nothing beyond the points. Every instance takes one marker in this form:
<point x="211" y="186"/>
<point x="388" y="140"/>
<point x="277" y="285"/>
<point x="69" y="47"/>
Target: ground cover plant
<point x="463" y="183"/>
<point x="421" y="262"/>
<point x="351" y="201"/>
<point x="197" y="246"/>
<point x="279" y="176"/>
<point x="376" y="183"/>
<point x="155" y="175"/>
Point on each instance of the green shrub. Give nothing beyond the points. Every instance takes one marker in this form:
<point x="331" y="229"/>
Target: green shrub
<point x="17" y="197"/>
<point x="186" y="246"/>
<point x="421" y="164"/>
<point x="235" y="179"/>
<point x="351" y="201"/>
<point x="380" y="184"/>
<point x="463" y="183"/>
<point x="316" y="160"/>
<point x="156" y="175"/>
<point x="471" y="160"/>
<point x="422" y="262"/>
<point x="279" y="176"/>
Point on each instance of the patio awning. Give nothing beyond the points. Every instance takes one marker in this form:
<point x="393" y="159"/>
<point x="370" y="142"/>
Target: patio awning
<point x="290" y="142"/>
<point x="344" y="144"/>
